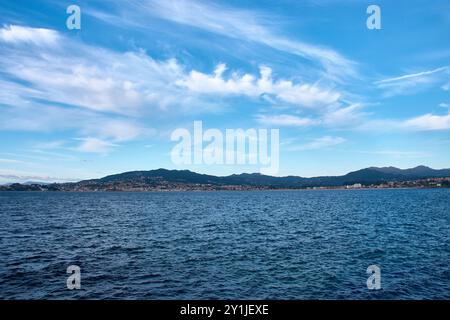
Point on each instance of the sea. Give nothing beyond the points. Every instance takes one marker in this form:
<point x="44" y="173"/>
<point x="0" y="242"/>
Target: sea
<point x="310" y="244"/>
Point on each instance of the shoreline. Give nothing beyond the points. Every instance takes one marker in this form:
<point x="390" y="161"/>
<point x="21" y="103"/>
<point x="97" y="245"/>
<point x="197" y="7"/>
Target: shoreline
<point x="224" y="190"/>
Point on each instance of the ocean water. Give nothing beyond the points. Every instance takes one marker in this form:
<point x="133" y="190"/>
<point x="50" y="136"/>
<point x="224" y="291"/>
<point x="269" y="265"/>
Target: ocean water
<point x="226" y="245"/>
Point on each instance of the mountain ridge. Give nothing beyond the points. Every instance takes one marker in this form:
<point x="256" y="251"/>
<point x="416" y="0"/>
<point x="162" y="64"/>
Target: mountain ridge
<point x="364" y="176"/>
<point x="178" y="179"/>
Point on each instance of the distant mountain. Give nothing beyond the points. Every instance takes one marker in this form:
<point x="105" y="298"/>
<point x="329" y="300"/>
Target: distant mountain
<point x="151" y="176"/>
<point x="163" y="179"/>
<point x="420" y="171"/>
<point x="370" y="175"/>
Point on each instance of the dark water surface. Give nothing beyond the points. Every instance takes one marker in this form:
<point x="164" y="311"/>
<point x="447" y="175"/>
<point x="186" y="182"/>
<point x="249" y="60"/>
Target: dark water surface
<point x="226" y="245"/>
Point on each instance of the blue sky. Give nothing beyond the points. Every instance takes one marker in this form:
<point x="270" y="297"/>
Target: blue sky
<point x="79" y="104"/>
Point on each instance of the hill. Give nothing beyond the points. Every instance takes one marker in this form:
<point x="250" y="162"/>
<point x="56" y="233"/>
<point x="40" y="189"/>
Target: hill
<point x="163" y="179"/>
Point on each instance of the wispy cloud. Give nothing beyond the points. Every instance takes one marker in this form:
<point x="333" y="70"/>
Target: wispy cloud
<point x="412" y="76"/>
<point x="344" y="115"/>
<point x="319" y="143"/>
<point x="52" y="119"/>
<point x="90" y="77"/>
<point x="410" y="83"/>
<point x="55" y="144"/>
<point x="254" y="27"/>
<point x="73" y="86"/>
<point x="337" y="115"/>
<point x="425" y="122"/>
<point x="95" y="145"/>
<point x="399" y="153"/>
<point x="2" y="160"/>
<point x="76" y="86"/>
<point x="285" y="120"/>
<point x="428" y="122"/>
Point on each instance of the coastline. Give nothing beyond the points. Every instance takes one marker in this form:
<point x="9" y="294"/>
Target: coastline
<point x="227" y="190"/>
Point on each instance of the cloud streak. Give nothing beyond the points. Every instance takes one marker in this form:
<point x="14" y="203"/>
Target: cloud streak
<point x="414" y="82"/>
<point x="318" y="143"/>
<point x="285" y="120"/>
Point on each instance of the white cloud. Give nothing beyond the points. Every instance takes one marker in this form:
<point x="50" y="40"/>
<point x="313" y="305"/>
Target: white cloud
<point x="10" y="161"/>
<point x="51" y="155"/>
<point x="428" y="122"/>
<point x="301" y="94"/>
<point x="319" y="143"/>
<point x="117" y="130"/>
<point x="95" y="145"/>
<point x="285" y="120"/>
<point x="37" y="36"/>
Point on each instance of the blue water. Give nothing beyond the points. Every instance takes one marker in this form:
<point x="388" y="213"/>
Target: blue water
<point x="226" y="245"/>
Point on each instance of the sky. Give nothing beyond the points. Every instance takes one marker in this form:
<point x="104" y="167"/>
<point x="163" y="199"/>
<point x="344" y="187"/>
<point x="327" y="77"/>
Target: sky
<point x="106" y="98"/>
